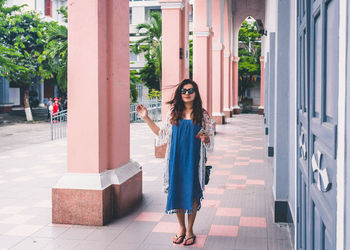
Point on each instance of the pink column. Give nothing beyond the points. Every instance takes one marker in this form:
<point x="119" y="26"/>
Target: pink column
<point x="227" y="61"/>
<point x="218" y="68"/>
<point x="173" y="39"/>
<point x="262" y="78"/>
<point x="186" y="39"/>
<point x="236" y="109"/>
<point x="202" y="67"/>
<point x="101" y="182"/>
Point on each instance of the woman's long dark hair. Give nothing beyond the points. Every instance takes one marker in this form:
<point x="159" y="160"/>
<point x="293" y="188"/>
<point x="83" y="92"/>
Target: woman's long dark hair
<point x="178" y="105"/>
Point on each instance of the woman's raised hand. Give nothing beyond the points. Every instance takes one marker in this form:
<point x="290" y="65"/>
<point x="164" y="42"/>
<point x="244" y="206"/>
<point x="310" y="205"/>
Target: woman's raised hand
<point x="142" y="111"/>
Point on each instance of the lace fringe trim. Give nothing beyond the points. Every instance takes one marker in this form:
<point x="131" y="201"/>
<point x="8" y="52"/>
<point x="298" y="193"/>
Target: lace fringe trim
<point x="185" y="211"/>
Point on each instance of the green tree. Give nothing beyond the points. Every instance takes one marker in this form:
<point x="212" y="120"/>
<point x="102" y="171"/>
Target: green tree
<point x="134" y="79"/>
<point x="249" y="52"/>
<point x="56" y="51"/>
<point x="150" y="43"/>
<point x="24" y="32"/>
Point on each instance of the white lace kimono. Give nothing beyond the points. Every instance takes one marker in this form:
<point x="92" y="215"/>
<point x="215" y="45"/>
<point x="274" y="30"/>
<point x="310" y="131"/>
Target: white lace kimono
<point x="164" y="137"/>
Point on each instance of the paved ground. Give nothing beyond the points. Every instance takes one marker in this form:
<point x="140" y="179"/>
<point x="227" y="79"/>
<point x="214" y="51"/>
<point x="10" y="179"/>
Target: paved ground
<point x="236" y="211"/>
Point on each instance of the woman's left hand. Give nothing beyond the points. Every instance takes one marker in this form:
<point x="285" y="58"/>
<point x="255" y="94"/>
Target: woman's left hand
<point x="205" y="139"/>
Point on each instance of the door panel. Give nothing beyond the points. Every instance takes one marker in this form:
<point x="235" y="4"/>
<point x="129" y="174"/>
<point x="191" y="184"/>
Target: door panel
<point x="317" y="51"/>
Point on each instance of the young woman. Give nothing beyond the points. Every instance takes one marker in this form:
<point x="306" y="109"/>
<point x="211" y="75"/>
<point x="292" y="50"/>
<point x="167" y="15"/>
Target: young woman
<point x="188" y="132"/>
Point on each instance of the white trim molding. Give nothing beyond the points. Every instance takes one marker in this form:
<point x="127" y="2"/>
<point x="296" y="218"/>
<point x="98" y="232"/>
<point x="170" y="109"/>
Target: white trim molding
<point x="201" y="33"/>
<point x="218" y="114"/>
<point x="341" y="171"/>
<point x="99" y="181"/>
<point x="227" y="109"/>
<point x="218" y="47"/>
<point x="171" y="5"/>
<point x="227" y="55"/>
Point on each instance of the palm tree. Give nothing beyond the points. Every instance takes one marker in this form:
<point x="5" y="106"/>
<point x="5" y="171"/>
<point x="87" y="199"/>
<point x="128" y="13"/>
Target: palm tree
<point x="150" y="42"/>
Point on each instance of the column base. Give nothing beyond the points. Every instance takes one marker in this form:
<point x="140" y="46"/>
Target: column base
<point x="261" y="110"/>
<point x="96" y="199"/>
<point x="236" y="110"/>
<point x="219" y="118"/>
<point x="270" y="151"/>
<point x="228" y="112"/>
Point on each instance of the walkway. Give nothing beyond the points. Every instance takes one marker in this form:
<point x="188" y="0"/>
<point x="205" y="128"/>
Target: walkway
<point x="236" y="212"/>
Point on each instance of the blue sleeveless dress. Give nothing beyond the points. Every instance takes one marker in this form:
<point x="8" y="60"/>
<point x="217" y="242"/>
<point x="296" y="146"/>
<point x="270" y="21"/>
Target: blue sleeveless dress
<point x="184" y="186"/>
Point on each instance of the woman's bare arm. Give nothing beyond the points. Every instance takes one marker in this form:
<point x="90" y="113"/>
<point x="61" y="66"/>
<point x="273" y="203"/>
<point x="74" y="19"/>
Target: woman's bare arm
<point x="143" y="113"/>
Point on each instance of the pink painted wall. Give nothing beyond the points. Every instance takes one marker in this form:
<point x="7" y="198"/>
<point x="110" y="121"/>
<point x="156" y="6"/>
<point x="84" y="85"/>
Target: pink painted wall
<point x="235" y="81"/>
<point x="202" y="49"/>
<point x="217" y="59"/>
<point x="172" y="40"/>
<point x="227" y="60"/>
<point x="262" y="80"/>
<point x="95" y="83"/>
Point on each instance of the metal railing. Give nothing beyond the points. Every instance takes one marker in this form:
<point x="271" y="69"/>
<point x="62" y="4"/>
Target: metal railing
<point x="58" y="124"/>
<point x="59" y="119"/>
<point x="154" y="108"/>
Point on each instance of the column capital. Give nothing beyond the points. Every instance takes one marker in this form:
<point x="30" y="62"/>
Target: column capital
<point x="235" y="58"/>
<point x="262" y="59"/>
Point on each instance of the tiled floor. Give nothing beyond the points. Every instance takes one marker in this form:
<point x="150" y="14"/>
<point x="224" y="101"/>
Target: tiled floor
<point x="236" y="211"/>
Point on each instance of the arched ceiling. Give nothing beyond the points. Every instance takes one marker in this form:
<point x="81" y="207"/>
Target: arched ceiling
<point x="241" y="9"/>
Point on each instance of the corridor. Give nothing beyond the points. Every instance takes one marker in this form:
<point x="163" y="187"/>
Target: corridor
<point x="236" y="211"/>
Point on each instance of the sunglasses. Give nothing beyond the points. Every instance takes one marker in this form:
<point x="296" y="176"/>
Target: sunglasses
<point x="190" y="91"/>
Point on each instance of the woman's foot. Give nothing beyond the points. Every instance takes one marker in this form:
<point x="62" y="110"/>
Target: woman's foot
<point x="189" y="240"/>
<point x="180" y="236"/>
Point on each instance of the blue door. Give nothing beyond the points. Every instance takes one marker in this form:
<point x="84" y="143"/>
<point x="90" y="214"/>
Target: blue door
<point x="317" y="79"/>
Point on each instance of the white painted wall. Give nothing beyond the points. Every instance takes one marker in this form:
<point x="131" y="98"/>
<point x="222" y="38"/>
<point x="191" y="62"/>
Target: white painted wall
<point x="293" y="109"/>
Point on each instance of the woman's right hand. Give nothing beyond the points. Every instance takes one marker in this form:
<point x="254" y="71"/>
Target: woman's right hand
<point x="142" y="111"/>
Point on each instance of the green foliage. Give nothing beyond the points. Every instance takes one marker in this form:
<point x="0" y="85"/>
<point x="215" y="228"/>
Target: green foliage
<point x="154" y="94"/>
<point x="249" y="53"/>
<point x="22" y="34"/>
<point x="150" y="43"/>
<point x="56" y="51"/>
<point x="133" y="93"/>
<point x="134" y="79"/>
<point x="147" y="74"/>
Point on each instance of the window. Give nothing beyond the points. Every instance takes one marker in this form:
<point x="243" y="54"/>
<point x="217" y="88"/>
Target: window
<point x="48" y="7"/>
<point x="133" y="57"/>
<point x="130" y="15"/>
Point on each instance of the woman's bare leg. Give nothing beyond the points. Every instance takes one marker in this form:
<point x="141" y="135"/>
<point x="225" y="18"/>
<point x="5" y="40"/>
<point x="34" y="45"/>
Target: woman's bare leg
<point x="180" y="215"/>
<point x="191" y="218"/>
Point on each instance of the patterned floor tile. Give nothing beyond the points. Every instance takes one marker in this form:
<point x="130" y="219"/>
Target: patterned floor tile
<point x="255" y="182"/>
<point x="214" y="190"/>
<point x="252" y="222"/>
<point x="166" y="227"/>
<point x="223" y="230"/>
<point x="148" y="216"/>
<point x="237" y="177"/>
<point x="210" y="203"/>
<point x="221" y="172"/>
<point x="228" y="211"/>
<point x="23" y="230"/>
<point x="235" y="186"/>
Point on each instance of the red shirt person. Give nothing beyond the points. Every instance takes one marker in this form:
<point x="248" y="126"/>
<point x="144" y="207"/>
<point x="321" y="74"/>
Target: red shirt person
<point x="55" y="106"/>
